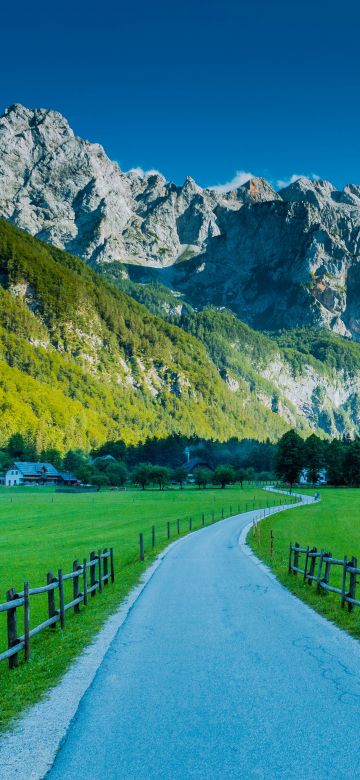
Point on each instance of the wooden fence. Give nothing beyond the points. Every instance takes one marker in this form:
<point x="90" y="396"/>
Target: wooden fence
<point x="92" y="574"/>
<point x="317" y="567"/>
<point x="179" y="527"/>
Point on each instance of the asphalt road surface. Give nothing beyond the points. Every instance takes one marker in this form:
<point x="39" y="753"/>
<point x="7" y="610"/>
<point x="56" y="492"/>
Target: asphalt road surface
<point x="219" y="672"/>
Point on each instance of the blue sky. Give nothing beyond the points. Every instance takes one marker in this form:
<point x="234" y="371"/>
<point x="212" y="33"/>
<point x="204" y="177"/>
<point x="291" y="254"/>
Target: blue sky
<point x="192" y="87"/>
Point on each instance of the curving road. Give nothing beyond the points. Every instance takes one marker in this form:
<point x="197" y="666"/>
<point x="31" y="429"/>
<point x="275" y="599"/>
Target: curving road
<point x="217" y="673"/>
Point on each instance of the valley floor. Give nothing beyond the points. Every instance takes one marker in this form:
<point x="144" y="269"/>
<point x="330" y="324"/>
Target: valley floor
<point x="41" y="530"/>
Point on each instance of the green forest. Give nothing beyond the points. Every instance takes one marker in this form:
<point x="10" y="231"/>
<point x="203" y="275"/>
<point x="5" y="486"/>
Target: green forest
<point x="82" y="362"/>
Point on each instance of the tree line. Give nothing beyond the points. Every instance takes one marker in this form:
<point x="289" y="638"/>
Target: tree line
<point x="154" y="462"/>
<point x="339" y="457"/>
<point x="161" y="461"/>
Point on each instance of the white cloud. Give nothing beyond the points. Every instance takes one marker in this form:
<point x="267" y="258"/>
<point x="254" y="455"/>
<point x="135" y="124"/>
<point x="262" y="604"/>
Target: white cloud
<point x="140" y="172"/>
<point x="295" y="176"/>
<point x="240" y="178"/>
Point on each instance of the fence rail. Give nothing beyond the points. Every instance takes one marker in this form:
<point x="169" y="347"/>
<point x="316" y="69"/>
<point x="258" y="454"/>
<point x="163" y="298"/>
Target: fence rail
<point x="179" y="526"/>
<point x="317" y="567"/>
<point x="100" y="575"/>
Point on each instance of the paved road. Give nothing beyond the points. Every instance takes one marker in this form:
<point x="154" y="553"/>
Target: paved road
<point x="219" y="673"/>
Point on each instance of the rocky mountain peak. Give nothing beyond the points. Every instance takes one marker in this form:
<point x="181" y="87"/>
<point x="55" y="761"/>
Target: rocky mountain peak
<point x="258" y="189"/>
<point x="277" y="259"/>
<point x="314" y="191"/>
<point x="191" y="185"/>
<point x="22" y="119"/>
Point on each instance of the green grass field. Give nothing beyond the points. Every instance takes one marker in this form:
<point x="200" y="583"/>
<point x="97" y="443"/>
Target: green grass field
<point x="332" y="525"/>
<point x="42" y="530"/>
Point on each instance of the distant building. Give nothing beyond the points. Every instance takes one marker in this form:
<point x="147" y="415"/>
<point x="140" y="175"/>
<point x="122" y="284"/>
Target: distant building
<point x="106" y="458"/>
<point x="196" y="463"/>
<point x="304" y="477"/>
<point x="66" y="478"/>
<point x="26" y="473"/>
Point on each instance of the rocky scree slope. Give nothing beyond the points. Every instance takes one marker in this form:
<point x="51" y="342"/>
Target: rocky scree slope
<point x="276" y="259"/>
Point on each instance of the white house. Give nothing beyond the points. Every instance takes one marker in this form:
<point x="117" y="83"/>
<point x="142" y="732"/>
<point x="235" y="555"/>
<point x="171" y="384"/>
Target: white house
<point x="13" y="476"/>
<point x="23" y="473"/>
<point x="304" y="477"/>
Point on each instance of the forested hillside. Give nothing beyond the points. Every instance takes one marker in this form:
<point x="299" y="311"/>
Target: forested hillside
<point x="82" y="362"/>
<point x="309" y="376"/>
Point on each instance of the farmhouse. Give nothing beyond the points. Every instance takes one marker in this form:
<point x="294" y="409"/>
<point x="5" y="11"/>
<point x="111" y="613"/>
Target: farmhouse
<point x="26" y="473"/>
<point x="305" y="480"/>
<point x="197" y="463"/>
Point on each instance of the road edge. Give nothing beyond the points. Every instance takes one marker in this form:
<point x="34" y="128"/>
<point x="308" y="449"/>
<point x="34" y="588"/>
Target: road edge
<point x="36" y="737"/>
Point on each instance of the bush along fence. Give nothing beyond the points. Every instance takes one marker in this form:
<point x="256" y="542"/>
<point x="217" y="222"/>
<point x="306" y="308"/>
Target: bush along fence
<point x="318" y="567"/>
<point x="92" y="574"/>
<point x="181" y="527"/>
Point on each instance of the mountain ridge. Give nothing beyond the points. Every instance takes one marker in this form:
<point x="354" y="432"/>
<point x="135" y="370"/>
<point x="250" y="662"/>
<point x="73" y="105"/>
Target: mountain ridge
<point x="277" y="259"/>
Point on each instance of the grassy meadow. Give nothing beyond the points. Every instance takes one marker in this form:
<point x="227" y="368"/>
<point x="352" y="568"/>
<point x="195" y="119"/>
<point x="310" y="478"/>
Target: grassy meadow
<point x="41" y="530"/>
<point x="332" y="525"/>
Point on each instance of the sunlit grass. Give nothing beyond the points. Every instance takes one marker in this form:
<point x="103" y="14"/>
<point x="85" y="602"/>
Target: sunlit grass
<point x="332" y="525"/>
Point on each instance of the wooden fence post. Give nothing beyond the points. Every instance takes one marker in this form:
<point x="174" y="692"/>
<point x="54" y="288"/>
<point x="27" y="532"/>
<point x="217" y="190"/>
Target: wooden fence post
<point x="352" y="588"/>
<point x="190" y="523"/>
<point x="76" y="586"/>
<point x="12" y="629"/>
<point x="222" y="513"/>
<point x="61" y="599"/>
<point x="112" y="568"/>
<point x="290" y="559"/>
<point x="168" y="530"/>
<point x="141" y="544"/>
<point x="92" y="572"/>
<point x="85" y="582"/>
<point x="153" y="536"/>
<point x="27" y="621"/>
<point x="178" y="526"/>
<point x="271" y="544"/>
<point x="100" y="571"/>
<point x="51" y="598"/>
<point x="343" y="584"/>
<point x="327" y="570"/>
<point x="318" y="580"/>
<point x="306" y="562"/>
<point x="296" y="556"/>
<point x="106" y="567"/>
<point x="312" y="566"/>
